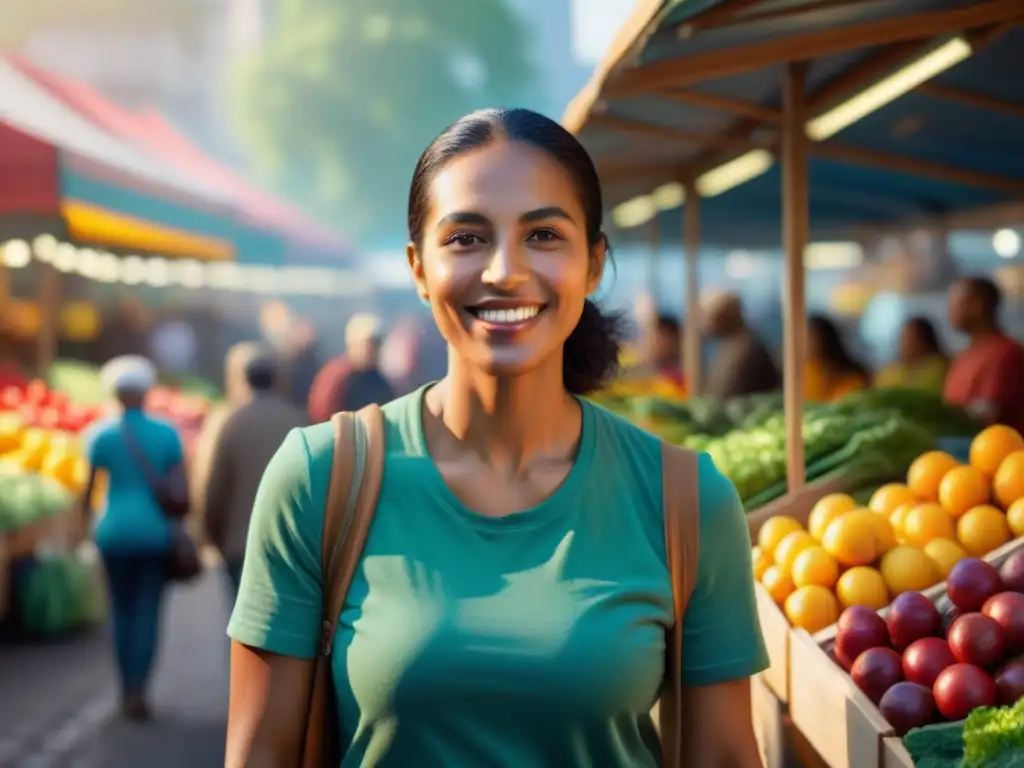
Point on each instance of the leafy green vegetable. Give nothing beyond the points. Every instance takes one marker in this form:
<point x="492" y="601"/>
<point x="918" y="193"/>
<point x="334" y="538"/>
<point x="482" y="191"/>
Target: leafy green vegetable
<point x="936" y="746"/>
<point x="994" y="737"/>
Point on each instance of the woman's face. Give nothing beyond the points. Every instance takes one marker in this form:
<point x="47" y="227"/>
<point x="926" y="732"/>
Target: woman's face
<point x="504" y="259"/>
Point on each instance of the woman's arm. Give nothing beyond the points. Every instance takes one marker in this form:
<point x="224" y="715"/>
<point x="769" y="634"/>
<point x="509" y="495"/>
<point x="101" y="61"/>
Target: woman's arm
<point x="275" y="626"/>
<point x="722" y="644"/>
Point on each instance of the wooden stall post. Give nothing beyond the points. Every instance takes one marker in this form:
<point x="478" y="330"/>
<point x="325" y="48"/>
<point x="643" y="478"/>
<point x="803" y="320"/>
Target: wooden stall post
<point x="50" y="284"/>
<point x="794" y="237"/>
<point x="692" y="330"/>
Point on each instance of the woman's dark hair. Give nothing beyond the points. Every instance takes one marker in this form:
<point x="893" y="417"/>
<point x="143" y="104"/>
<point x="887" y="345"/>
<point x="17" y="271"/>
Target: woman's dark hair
<point x="834" y="352"/>
<point x="591" y="354"/>
<point x="926" y="334"/>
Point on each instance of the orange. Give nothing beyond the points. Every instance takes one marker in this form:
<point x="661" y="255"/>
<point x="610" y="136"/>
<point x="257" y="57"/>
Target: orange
<point x="888" y="497"/>
<point x="778" y="584"/>
<point x="898" y="520"/>
<point x="908" y="569"/>
<point x="992" y="445"/>
<point x="774" y="530"/>
<point x="926" y="522"/>
<point x="862" y="586"/>
<point x="927" y="471"/>
<point x="826" y="510"/>
<point x="1015" y="517"/>
<point x="792" y="545"/>
<point x="963" y="488"/>
<point x="885" y="534"/>
<point x="1008" y="483"/>
<point x="983" y="529"/>
<point x="761" y="562"/>
<point x="814" y="566"/>
<point x="851" y="538"/>
<point x="812" y="608"/>
<point x="944" y="554"/>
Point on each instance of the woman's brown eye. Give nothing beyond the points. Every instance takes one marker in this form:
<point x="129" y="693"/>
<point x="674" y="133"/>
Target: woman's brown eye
<point x="464" y="240"/>
<point x="544" y="235"/>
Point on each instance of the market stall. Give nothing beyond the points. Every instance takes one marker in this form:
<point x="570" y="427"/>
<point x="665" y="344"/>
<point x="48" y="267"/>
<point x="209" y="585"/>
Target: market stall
<point x="771" y="122"/>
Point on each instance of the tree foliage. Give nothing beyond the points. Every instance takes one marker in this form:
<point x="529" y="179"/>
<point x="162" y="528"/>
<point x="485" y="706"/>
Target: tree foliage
<point x="344" y="94"/>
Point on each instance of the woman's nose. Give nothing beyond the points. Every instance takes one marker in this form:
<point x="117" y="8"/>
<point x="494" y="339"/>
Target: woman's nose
<point x="507" y="267"/>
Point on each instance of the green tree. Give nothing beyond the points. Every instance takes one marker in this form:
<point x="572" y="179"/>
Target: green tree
<point x="343" y="95"/>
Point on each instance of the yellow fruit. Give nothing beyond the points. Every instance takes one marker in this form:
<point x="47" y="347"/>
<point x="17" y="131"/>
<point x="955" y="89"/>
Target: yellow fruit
<point x="775" y="530"/>
<point x="944" y="554"/>
<point x="888" y="497"/>
<point x="885" y="535"/>
<point x="851" y="538"/>
<point x="814" y="566"/>
<point x="826" y="510"/>
<point x="1008" y="483"/>
<point x="761" y="563"/>
<point x="898" y="520"/>
<point x="1015" y="517"/>
<point x="812" y="608"/>
<point x="791" y="546"/>
<point x="908" y="569"/>
<point x="926" y="473"/>
<point x="963" y="488"/>
<point x="992" y="445"/>
<point x="926" y="522"/>
<point x="983" y="529"/>
<point x="862" y="586"/>
<point x="778" y="584"/>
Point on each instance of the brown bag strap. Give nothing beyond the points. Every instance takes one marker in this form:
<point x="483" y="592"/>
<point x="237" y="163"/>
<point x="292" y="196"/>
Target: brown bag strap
<point x="681" y="502"/>
<point x="356" y="476"/>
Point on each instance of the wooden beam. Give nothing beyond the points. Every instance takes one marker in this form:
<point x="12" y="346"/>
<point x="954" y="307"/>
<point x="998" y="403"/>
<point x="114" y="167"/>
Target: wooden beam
<point x="717" y="15"/>
<point x="844" y="153"/>
<point x="650" y="130"/>
<point x="795" y="229"/>
<point x="866" y="73"/>
<point x="801" y="10"/>
<point x="692" y="328"/>
<point x="807" y="46"/>
<point x="724" y="104"/>
<point x="979" y="100"/>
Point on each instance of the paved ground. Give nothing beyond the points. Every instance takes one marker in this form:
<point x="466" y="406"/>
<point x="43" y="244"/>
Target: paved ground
<point x="67" y="720"/>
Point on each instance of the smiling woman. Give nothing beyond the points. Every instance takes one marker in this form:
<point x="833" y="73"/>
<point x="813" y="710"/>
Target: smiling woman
<point x="514" y="599"/>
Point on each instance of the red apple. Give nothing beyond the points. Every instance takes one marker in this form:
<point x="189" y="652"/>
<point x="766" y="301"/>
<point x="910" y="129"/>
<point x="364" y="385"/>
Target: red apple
<point x="29" y="413"/>
<point x="876" y="671"/>
<point x="962" y="688"/>
<point x="11" y="398"/>
<point x="911" y="617"/>
<point x="1010" y="682"/>
<point x="49" y="418"/>
<point x="971" y="583"/>
<point x="976" y="639"/>
<point x="37" y="392"/>
<point x="1012" y="572"/>
<point x="1007" y="608"/>
<point x="925" y="659"/>
<point x="859" y="629"/>
<point x="908" y="705"/>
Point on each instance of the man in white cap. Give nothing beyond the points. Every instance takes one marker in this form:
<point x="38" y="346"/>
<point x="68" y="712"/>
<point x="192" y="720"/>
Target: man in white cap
<point x="354" y="379"/>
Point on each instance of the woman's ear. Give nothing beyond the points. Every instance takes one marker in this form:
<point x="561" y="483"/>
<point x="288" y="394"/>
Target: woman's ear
<point x="412" y="255"/>
<point x="598" y="257"/>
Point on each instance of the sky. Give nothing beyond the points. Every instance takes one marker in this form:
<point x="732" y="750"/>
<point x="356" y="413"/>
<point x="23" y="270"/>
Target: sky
<point x="595" y="23"/>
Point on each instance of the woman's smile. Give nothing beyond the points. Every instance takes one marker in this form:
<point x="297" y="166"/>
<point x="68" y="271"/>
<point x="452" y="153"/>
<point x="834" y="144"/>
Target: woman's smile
<point x="506" y="317"/>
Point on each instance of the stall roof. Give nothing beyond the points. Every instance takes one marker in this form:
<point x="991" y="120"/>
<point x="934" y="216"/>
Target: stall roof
<point x="691" y="84"/>
<point x="151" y="131"/>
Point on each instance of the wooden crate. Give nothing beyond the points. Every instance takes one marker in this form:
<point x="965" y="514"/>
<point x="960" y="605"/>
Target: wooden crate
<point x="839" y="721"/>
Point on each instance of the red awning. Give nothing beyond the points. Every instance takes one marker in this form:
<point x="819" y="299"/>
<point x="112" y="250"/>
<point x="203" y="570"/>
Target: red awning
<point x="152" y="132"/>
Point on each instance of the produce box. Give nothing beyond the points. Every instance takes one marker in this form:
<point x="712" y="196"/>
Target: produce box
<point x="837" y="718"/>
<point x="774" y="626"/>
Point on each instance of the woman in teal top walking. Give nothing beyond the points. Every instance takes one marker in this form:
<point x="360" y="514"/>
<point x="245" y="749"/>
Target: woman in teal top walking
<point x="513" y="599"/>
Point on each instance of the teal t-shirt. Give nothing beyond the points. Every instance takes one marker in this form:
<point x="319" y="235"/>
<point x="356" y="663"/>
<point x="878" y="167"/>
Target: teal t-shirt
<point x="132" y="521"/>
<point x="532" y="640"/>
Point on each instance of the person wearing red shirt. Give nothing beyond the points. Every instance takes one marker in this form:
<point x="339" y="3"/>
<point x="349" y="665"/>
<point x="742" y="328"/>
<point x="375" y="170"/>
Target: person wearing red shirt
<point x="987" y="378"/>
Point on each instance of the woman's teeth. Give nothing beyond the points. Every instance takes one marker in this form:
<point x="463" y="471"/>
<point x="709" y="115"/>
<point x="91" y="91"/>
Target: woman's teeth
<point x="509" y="316"/>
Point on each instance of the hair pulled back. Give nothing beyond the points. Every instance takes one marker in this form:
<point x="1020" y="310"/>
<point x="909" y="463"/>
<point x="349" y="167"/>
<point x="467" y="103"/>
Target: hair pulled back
<point x="591" y="353"/>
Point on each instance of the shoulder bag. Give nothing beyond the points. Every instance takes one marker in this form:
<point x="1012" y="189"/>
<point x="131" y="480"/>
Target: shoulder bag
<point x="353" y="491"/>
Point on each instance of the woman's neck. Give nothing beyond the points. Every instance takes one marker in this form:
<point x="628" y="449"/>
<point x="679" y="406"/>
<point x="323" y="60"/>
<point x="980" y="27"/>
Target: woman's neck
<point x="507" y="421"/>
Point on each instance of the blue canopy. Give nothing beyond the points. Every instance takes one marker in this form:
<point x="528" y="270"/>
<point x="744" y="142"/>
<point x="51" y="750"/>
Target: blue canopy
<point x="691" y="84"/>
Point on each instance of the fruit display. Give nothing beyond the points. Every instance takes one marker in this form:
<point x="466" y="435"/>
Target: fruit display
<point x="59" y="593"/>
<point x="925" y="661"/>
<point x="909" y="536"/>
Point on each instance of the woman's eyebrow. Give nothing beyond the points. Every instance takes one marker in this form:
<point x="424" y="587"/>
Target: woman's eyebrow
<point x="550" y="212"/>
<point x="463" y="217"/>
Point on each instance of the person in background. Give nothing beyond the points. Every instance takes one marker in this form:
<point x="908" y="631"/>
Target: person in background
<point x="235" y="449"/>
<point x="667" y="350"/>
<point x="988" y="377"/>
<point x="11" y="372"/>
<point x="831" y="371"/>
<point x="922" y="364"/>
<point x="742" y="364"/>
<point x="133" y="535"/>
<point x="353" y="379"/>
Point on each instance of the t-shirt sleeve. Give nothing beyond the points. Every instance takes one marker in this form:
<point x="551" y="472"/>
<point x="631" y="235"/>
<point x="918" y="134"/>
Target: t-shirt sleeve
<point x="721" y="632"/>
<point x="279" y="599"/>
<point x="96" y="447"/>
